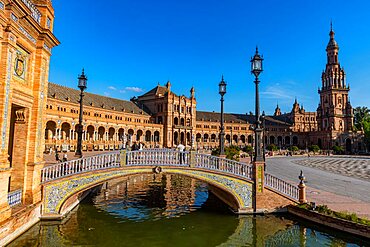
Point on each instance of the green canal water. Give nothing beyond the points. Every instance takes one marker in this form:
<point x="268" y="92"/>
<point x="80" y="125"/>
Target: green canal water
<point x="169" y="210"/>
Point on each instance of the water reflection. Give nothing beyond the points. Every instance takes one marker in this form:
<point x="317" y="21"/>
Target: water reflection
<point x="170" y="210"/>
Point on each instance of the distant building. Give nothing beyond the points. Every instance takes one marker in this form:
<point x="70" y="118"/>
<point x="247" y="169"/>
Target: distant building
<point x="161" y="118"/>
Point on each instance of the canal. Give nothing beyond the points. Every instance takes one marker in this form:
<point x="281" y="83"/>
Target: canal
<point x="172" y="210"/>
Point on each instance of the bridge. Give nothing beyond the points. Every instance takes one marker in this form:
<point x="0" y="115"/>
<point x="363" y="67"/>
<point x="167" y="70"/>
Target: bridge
<point x="64" y="184"/>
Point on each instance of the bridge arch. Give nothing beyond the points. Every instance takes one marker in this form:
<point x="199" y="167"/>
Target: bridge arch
<point x="234" y="192"/>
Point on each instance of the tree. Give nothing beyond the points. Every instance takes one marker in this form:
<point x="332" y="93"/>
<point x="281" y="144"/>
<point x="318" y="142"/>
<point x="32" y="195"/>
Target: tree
<point x="231" y="152"/>
<point x="338" y="149"/>
<point x="272" y="147"/>
<point x="314" y="148"/>
<point x="248" y="149"/>
<point x="293" y="149"/>
<point x="361" y="115"/>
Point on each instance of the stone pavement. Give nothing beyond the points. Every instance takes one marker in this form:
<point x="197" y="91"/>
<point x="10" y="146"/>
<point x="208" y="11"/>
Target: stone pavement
<point x="340" y="183"/>
<point x="356" y="167"/>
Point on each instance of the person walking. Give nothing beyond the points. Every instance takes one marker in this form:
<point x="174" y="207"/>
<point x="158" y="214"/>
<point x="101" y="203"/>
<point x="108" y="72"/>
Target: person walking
<point x="181" y="148"/>
<point x="57" y="155"/>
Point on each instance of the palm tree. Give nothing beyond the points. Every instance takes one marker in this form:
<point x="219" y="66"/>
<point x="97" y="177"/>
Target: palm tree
<point x="361" y="114"/>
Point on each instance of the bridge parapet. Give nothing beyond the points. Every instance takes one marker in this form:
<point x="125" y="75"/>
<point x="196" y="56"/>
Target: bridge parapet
<point x="166" y="158"/>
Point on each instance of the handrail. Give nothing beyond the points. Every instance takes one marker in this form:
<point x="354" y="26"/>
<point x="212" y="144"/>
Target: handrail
<point x="72" y="167"/>
<point x="165" y="157"/>
<point x="215" y="163"/>
<point x="15" y="198"/>
<point x="281" y="186"/>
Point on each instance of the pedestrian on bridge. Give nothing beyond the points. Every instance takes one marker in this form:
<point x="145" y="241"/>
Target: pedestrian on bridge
<point x="181" y="148"/>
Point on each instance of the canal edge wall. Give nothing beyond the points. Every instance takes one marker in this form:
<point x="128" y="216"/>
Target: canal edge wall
<point x="19" y="223"/>
<point x="332" y="222"/>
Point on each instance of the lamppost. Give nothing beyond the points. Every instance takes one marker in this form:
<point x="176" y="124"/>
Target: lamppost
<point x="82" y="81"/>
<point x="258" y="167"/>
<point x="222" y="92"/>
<point x="256" y="69"/>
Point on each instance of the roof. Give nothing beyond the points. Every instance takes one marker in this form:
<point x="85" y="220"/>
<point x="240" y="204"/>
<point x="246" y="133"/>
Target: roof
<point x="242" y="118"/>
<point x="155" y="91"/>
<point x="93" y="100"/>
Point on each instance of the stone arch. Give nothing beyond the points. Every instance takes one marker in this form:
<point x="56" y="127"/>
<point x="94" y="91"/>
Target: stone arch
<point x="250" y="139"/>
<point x="287" y="140"/>
<point x="198" y="137"/>
<point x="57" y="194"/>
<point x="176" y="121"/>
<point x="182" y="121"/>
<point x="90" y="132"/>
<point x="213" y="137"/>
<point x="65" y="131"/>
<point x="148" y="136"/>
<point x="50" y="130"/>
<point x="235" y="139"/>
<point x="205" y="137"/>
<point x="156" y="136"/>
<point x="272" y="139"/>
<point x="228" y="138"/>
<point x="139" y="134"/>
<point x="188" y="138"/>
<point x="121" y="132"/>
<point x="295" y="140"/>
<point x="280" y="140"/>
<point x="182" y="138"/>
<point x="111" y="132"/>
<point x="101" y="133"/>
<point x="242" y="138"/>
<point x="176" y="138"/>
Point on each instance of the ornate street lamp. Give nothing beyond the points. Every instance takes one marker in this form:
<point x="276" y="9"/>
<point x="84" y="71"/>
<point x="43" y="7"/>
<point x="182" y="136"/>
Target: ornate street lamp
<point x="82" y="81"/>
<point x="222" y="92"/>
<point x="256" y="69"/>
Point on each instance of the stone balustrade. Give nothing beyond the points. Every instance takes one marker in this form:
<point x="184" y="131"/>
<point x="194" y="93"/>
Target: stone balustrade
<point x="15" y="198"/>
<point x="281" y="186"/>
<point x="165" y="157"/>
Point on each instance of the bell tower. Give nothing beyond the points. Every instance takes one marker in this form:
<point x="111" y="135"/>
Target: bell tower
<point x="334" y="112"/>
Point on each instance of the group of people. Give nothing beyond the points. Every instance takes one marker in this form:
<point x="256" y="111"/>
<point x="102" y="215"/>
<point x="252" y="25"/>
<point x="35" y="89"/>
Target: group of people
<point x="57" y="158"/>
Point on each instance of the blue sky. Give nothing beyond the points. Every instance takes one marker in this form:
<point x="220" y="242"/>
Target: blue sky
<point x="128" y="47"/>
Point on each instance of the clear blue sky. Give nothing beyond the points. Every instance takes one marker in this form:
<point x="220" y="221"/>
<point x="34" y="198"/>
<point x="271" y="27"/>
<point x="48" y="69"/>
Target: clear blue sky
<point x="129" y="46"/>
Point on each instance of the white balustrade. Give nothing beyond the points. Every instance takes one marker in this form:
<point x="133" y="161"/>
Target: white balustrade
<point x="214" y="163"/>
<point x="281" y="186"/>
<point x="68" y="168"/>
<point x="15" y="198"/>
<point x="165" y="157"/>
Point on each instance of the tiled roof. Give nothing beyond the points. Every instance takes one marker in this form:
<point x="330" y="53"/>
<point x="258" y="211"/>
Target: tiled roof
<point x="155" y="91"/>
<point x="241" y="118"/>
<point x="72" y="95"/>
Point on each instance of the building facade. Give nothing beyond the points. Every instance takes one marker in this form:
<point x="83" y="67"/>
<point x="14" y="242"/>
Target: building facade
<point x="26" y="40"/>
<point x="161" y="118"/>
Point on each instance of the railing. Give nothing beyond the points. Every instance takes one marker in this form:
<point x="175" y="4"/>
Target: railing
<point x="209" y="162"/>
<point x="69" y="168"/>
<point x="35" y="13"/>
<point x="165" y="157"/>
<point x="15" y="198"/>
<point x="158" y="157"/>
<point x="281" y="186"/>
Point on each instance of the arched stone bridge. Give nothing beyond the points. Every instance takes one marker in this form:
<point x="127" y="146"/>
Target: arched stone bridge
<point x="232" y="181"/>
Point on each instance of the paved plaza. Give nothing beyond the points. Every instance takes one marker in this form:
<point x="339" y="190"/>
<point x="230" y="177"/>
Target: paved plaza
<point x="341" y="183"/>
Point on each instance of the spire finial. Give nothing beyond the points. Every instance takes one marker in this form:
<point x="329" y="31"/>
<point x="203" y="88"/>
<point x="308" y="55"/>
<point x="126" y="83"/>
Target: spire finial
<point x="222" y="77"/>
<point x="331" y="25"/>
<point x="256" y="49"/>
<point x="295" y="101"/>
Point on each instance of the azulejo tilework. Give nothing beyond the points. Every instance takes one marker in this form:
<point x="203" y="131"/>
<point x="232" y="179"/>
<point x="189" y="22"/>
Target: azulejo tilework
<point x="241" y="190"/>
<point x="57" y="193"/>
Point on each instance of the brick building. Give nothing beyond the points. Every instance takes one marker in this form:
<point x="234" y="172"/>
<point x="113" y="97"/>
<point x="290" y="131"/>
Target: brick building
<point x="162" y="118"/>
